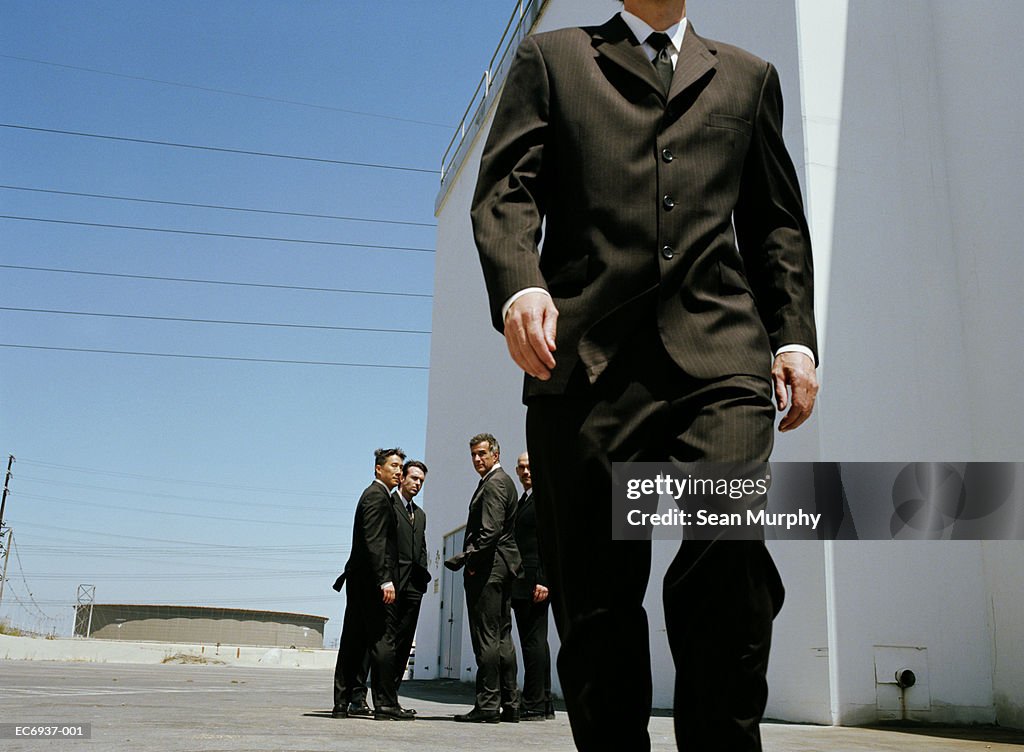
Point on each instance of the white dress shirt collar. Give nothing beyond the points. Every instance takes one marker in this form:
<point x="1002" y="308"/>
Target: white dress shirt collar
<point x="490" y="472"/>
<point x="641" y="30"/>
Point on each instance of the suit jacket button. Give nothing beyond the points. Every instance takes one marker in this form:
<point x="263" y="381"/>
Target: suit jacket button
<point x="668" y="202"/>
<point x="667" y="252"/>
<point x="667" y="155"/>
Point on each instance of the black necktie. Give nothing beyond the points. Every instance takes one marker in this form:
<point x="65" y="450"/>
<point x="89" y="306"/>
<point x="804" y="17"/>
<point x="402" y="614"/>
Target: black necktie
<point x="663" y="59"/>
<point x="523" y="499"/>
<point x="411" y="515"/>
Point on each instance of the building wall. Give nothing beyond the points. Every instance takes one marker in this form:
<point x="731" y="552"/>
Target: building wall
<point x="187" y="624"/>
<point x="900" y="120"/>
<point x="913" y="192"/>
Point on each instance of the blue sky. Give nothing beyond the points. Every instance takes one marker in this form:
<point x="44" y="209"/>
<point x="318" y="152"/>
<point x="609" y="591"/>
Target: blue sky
<point x="199" y="481"/>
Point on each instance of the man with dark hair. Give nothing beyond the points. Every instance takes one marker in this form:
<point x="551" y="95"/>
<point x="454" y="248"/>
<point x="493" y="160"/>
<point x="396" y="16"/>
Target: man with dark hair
<point x="491" y="561"/>
<point x="530" y="604"/>
<point x="676" y="260"/>
<point x="369" y="580"/>
<point x="412" y="573"/>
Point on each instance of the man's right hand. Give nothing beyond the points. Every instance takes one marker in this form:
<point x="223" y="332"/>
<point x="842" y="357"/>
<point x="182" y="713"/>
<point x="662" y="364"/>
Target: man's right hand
<point x="388" y="594"/>
<point x="530" y="333"/>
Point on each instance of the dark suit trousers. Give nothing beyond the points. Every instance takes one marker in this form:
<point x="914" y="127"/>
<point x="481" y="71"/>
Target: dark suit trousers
<point x="354" y="686"/>
<point x="719" y="598"/>
<point x="532" y="626"/>
<point x="368" y="630"/>
<point x="490" y="629"/>
<point x="407" y="613"/>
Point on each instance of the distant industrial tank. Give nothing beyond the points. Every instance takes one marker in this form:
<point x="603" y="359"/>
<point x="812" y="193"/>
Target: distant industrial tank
<point x="199" y="624"/>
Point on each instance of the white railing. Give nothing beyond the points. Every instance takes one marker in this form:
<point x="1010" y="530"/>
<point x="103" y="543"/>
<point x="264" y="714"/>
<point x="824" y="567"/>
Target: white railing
<point x="519" y="24"/>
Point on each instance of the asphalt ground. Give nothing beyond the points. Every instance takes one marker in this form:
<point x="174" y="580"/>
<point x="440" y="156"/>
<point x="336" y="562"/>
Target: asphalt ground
<point x="213" y="708"/>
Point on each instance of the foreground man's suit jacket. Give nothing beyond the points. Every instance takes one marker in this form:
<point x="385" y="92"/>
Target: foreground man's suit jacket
<point x="641" y="193"/>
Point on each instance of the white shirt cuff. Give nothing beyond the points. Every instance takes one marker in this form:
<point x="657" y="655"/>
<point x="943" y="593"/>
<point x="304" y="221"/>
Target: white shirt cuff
<point x="517" y="296"/>
<point x="387" y="585"/>
<point x="796" y="348"/>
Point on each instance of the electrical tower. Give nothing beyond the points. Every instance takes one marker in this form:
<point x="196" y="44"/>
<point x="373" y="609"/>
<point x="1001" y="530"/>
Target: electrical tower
<point x="83" y="615"/>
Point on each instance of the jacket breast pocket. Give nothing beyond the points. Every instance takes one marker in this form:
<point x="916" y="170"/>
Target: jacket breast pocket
<point x="732" y="122"/>
<point x="727" y="135"/>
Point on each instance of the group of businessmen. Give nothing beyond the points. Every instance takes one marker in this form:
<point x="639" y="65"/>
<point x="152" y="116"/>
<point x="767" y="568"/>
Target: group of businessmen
<point x="503" y="573"/>
<point x="384" y="579"/>
<point x="387" y="574"/>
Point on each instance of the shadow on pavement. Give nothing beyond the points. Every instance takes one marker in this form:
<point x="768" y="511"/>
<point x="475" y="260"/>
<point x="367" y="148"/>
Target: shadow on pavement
<point x="976" y="733"/>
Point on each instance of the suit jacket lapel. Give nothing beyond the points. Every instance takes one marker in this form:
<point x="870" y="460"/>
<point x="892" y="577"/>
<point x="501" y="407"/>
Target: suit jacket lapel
<point x="615" y="41"/>
<point x="696" y="58"/>
<point x="403" y="513"/>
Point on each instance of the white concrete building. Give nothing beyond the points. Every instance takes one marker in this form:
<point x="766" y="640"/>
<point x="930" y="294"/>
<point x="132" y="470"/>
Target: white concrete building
<point x="905" y="120"/>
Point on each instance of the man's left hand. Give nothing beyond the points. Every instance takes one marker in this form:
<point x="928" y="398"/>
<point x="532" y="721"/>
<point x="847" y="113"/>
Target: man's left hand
<point x="793" y="375"/>
<point x="540" y="593"/>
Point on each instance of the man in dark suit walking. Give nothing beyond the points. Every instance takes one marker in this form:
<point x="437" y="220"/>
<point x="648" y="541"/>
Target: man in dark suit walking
<point x="676" y="265"/>
<point x="413" y="575"/>
<point x="491" y="560"/>
<point x="369" y="580"/>
<point x="530" y="605"/>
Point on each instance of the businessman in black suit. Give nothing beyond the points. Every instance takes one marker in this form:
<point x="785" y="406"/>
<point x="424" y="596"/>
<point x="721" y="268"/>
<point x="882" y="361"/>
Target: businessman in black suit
<point x="413" y="575"/>
<point x="369" y="579"/>
<point x="530" y="604"/>
<point x="491" y="560"/>
<point x="672" y="300"/>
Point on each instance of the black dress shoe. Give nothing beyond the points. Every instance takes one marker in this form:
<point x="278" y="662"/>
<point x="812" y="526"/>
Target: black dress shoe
<point x="339" y="712"/>
<point x="359" y="708"/>
<point x="479" y="716"/>
<point x="392" y="713"/>
<point x="549" y="710"/>
<point x="509" y="714"/>
<point x="531" y="715"/>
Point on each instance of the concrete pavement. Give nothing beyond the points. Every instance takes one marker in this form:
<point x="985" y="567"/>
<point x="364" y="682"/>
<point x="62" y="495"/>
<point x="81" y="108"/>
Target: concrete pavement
<point x="228" y="708"/>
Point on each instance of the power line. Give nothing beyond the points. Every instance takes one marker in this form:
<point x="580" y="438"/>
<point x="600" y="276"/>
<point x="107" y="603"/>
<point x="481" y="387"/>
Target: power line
<point x="230" y="283"/>
<point x="214" y="321"/>
<point x="190" y="515"/>
<point x="232" y="93"/>
<point x="73" y="547"/>
<point x="182" y="481"/>
<point x="218" y="234"/>
<point x="177" y="556"/>
<point x="206" y="547"/>
<point x="217" y="357"/>
<point x="218" y="206"/>
<point x="222" y="149"/>
<point x="17" y="557"/>
<point x="186" y="576"/>
<point x="220" y="602"/>
<point x="155" y="495"/>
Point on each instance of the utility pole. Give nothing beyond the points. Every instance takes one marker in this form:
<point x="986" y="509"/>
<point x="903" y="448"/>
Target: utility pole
<point x="3" y="577"/>
<point x="7" y="483"/>
<point x="6" y="550"/>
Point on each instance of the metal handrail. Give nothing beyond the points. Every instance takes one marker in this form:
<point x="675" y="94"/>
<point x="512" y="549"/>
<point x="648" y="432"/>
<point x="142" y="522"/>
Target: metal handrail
<point x="524" y="14"/>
